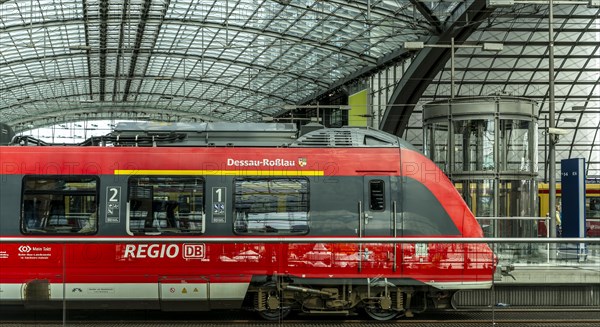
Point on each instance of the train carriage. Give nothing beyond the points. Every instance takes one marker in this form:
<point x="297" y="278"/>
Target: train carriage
<point x="592" y="207"/>
<point x="172" y="217"/>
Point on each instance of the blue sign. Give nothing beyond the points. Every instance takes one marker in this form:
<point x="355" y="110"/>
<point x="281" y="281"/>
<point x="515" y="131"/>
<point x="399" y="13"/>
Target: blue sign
<point x="573" y="197"/>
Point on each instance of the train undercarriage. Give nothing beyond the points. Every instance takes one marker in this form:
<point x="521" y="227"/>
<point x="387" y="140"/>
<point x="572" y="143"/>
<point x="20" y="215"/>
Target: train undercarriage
<point x="379" y="299"/>
<point x="273" y="298"/>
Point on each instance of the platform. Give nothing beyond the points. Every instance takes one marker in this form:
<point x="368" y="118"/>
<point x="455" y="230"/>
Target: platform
<point x="549" y="264"/>
<point x="531" y="276"/>
<point x="551" y="274"/>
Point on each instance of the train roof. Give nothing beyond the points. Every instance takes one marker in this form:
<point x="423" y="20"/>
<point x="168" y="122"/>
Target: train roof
<point x="236" y="135"/>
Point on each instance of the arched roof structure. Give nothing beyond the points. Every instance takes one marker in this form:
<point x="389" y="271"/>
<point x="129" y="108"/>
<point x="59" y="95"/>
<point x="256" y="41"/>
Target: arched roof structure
<point x="236" y="60"/>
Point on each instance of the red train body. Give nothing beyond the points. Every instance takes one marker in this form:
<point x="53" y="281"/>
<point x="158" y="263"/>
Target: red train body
<point x="179" y="227"/>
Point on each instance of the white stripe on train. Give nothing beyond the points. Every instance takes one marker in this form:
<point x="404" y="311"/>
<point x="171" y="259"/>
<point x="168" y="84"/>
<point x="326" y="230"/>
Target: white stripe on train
<point x="133" y="291"/>
<point x="168" y="291"/>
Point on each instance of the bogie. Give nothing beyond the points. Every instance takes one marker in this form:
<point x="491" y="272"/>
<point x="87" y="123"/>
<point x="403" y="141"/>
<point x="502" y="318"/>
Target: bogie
<point x="274" y="301"/>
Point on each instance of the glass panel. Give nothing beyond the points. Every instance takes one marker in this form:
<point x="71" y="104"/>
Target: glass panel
<point x="479" y="196"/>
<point x="474" y="145"/>
<point x="516" y="199"/>
<point x="337" y="118"/>
<point x="271" y="206"/>
<point x="516" y="154"/>
<point x="531" y="255"/>
<point x="166" y="205"/>
<point x="592" y="216"/>
<point x="59" y="204"/>
<point x="436" y="143"/>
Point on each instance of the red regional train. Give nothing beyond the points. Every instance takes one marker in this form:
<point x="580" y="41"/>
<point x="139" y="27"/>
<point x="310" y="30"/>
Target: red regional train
<point x="171" y="217"/>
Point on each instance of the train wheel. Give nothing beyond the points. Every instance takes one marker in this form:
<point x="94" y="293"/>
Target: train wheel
<point x="268" y="303"/>
<point x="380" y="314"/>
<point x="275" y="315"/>
<point x="381" y="307"/>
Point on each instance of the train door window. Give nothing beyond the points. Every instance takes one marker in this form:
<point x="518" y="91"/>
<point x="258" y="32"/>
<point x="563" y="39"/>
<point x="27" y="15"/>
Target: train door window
<point x="377" y="195"/>
<point x="271" y="205"/>
<point x="59" y="204"/>
<point x="166" y="204"/>
<point x="592" y="205"/>
<point x="592" y="214"/>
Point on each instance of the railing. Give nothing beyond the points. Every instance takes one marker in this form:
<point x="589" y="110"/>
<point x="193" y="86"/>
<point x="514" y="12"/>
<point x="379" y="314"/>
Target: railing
<point x="504" y="249"/>
<point x="570" y="249"/>
<point x="545" y="220"/>
<point x="296" y="239"/>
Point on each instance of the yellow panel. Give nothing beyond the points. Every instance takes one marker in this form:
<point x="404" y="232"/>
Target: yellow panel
<point x="221" y="172"/>
<point x="358" y="103"/>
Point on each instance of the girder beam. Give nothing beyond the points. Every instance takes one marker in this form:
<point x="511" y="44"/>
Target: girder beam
<point x="428" y="62"/>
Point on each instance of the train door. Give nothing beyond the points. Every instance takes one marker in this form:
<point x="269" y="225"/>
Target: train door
<point x="376" y="211"/>
<point x="376" y="220"/>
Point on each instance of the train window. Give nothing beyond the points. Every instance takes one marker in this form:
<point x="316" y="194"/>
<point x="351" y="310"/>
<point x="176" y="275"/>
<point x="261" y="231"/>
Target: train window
<point x="59" y="204"/>
<point x="173" y="204"/>
<point x="271" y="205"/>
<point x="376" y="191"/>
<point x="592" y="207"/>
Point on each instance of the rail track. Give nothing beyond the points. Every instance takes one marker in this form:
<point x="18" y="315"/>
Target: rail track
<point x="13" y="317"/>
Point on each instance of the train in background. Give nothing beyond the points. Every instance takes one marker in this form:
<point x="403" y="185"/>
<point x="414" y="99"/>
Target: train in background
<point x="145" y="183"/>
<point x="592" y="207"/>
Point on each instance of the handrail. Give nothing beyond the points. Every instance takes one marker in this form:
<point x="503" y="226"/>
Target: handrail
<point x="528" y="218"/>
<point x="512" y="218"/>
<point x="293" y="239"/>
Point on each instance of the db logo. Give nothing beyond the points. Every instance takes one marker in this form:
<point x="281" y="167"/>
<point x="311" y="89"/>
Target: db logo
<point x="193" y="251"/>
<point x="24" y="248"/>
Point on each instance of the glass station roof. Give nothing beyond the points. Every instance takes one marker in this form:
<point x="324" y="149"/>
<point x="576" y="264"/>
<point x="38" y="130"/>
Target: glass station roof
<point x="236" y="60"/>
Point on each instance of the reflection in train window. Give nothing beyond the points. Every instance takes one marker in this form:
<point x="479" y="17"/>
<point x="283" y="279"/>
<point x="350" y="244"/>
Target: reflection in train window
<point x="59" y="204"/>
<point x="271" y="205"/>
<point x="160" y="205"/>
<point x="592" y="207"/>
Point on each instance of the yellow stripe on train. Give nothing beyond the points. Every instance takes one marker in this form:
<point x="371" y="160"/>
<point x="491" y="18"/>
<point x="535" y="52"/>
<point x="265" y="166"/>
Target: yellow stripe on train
<point x="240" y="172"/>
